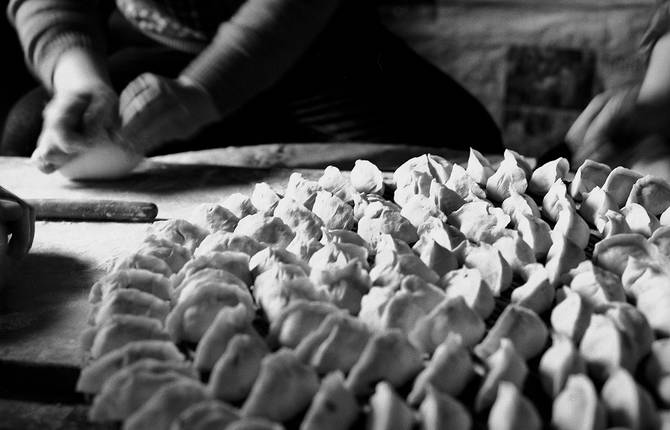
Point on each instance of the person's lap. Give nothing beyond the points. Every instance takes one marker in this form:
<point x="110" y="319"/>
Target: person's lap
<point x="382" y="93"/>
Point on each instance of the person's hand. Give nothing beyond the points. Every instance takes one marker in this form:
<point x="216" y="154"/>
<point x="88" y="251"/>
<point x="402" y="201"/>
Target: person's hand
<point x="18" y="219"/>
<point x="74" y="120"/>
<point x="155" y="110"/>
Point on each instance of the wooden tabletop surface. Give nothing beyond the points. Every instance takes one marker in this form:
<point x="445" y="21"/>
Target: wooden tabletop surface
<point x="44" y="308"/>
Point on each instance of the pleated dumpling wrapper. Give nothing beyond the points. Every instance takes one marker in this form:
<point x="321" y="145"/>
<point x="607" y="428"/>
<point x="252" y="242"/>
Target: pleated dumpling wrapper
<point x="556" y="199"/>
<point x="563" y="256"/>
<point x="237" y="368"/>
<point x="558" y="363"/>
<point x="172" y="253"/>
<point x="130" y="388"/>
<point x="535" y="232"/>
<point x="450" y="316"/>
<point x="479" y="167"/>
<point x="441" y="411"/>
<point x="264" y="198"/>
<point x="512" y="410"/>
<point x="266" y="259"/>
<point x="374" y="365"/>
<point x="520" y="204"/>
<point x="573" y="227"/>
<point x="589" y="175"/>
<point x="571" y="316"/>
<point x="449" y="370"/>
<point x="343" y="286"/>
<point x="179" y="231"/>
<point x="657" y="370"/>
<point x="536" y="293"/>
<point x="438" y="258"/>
<point x="613" y="252"/>
<point x="640" y="220"/>
<point x="508" y="176"/>
<point x="143" y="262"/>
<point x="334" y="407"/>
<point x="434" y="166"/>
<point x="379" y="220"/>
<point x="544" y="176"/>
<point x="298" y="218"/>
<point x="505" y="364"/>
<point x="619" y="184"/>
<point x="367" y="178"/>
<point x="205" y="275"/>
<point x="229" y="322"/>
<point x="119" y="330"/>
<point x="469" y="284"/>
<point x="578" y="407"/>
<point x="596" y="204"/>
<point x="302" y="190"/>
<point x="129" y="301"/>
<point x="272" y="298"/>
<point x="337" y="184"/>
<point x="627" y="404"/>
<point x="522" y="327"/>
<point x="596" y="285"/>
<point x="93" y="376"/>
<point x="234" y="262"/>
<point x="391" y="268"/>
<point x="239" y="204"/>
<point x="388" y="411"/>
<point x="297" y="320"/>
<point x="284" y="388"/>
<point x="166" y="405"/>
<point x="611" y="223"/>
<point x="142" y="280"/>
<point x="464" y="185"/>
<point x="225" y="241"/>
<point x="336" y="345"/>
<point x="269" y="230"/>
<point x="652" y="193"/>
<point x="333" y="212"/>
<point x="517" y="252"/>
<point x="194" y="313"/>
<point x="495" y="270"/>
<point x="206" y="415"/>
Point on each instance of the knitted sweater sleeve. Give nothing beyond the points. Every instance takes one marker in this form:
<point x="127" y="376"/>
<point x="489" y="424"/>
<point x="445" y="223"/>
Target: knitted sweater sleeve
<point x="658" y="27"/>
<point x="47" y="28"/>
<point x="256" y="47"/>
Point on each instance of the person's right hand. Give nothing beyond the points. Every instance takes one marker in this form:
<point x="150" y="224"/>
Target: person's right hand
<point x="75" y="119"/>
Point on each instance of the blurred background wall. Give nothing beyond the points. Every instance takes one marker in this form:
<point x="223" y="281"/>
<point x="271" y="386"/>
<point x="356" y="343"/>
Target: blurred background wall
<point x="534" y="63"/>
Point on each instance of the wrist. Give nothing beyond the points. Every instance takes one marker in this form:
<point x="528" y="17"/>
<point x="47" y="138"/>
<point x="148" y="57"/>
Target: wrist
<point x="80" y="68"/>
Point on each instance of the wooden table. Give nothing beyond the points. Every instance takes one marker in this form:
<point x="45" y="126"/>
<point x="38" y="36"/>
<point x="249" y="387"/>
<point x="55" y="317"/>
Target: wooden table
<point x="44" y="307"/>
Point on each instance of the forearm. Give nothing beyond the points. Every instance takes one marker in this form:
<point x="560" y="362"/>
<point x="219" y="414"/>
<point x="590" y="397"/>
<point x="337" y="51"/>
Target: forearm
<point x="49" y="28"/>
<point x="655" y="89"/>
<point x="257" y="47"/>
<point x="79" y="67"/>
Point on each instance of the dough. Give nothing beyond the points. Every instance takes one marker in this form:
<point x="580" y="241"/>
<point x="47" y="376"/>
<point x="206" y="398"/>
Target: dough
<point x="103" y="161"/>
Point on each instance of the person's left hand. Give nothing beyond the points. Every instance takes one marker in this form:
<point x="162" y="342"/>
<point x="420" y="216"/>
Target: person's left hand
<point x="18" y="218"/>
<point x="155" y="110"/>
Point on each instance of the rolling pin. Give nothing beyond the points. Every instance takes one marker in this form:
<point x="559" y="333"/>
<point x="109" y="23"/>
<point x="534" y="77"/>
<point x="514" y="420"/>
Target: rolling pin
<point x="94" y="210"/>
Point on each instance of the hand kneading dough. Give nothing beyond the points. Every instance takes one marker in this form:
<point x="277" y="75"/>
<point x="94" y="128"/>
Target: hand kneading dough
<point x="103" y="161"/>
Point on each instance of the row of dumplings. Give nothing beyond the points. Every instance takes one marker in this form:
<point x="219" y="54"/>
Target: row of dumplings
<point x="283" y="254"/>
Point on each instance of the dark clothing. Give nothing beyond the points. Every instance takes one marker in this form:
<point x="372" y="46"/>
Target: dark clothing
<point x="356" y="83"/>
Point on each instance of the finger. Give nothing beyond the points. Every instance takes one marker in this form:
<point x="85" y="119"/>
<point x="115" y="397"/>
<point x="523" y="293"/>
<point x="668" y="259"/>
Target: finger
<point x="599" y="129"/>
<point x="577" y="131"/>
<point x="51" y="154"/>
<point x="143" y="111"/>
<point x="10" y="211"/>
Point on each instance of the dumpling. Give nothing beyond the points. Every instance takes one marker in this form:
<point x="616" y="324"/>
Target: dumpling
<point x="166" y="404"/>
<point x="536" y="293"/>
<point x="387" y="410"/>
<point x="441" y="411"/>
<point x="446" y="200"/>
<point x="372" y="227"/>
<point x="172" y="253"/>
<point x="338" y="255"/>
<point x="495" y="270"/>
<point x="337" y="184"/>
<point x="571" y="226"/>
<point x="508" y="175"/>
<point x="264" y="198"/>
<point x="639" y="219"/>
<point x="143" y="262"/>
<point x="598" y="286"/>
<point x="237" y="368"/>
<point x="556" y="199"/>
<point x="546" y="175"/>
<point x="479" y="167"/>
<point x="334" y="212"/>
<point x="449" y="371"/>
<point x="138" y="279"/>
<point x="362" y="201"/>
<point x="130" y="388"/>
<point x="129" y="301"/>
<point x="657" y="370"/>
<point x="418" y="208"/>
<point x="577" y="407"/>
<point x="206" y="415"/>
<point x="438" y="258"/>
<point x="374" y="365"/>
<point x="563" y="256"/>
<point x="535" y="232"/>
<point x="239" y="204"/>
<point x="512" y="410"/>
<point x="612" y="223"/>
<point x="234" y="262"/>
<point x="596" y="204"/>
<point x="119" y="330"/>
<point x="179" y="231"/>
<point x="613" y="252"/>
<point x="520" y="204"/>
<point x="558" y="363"/>
<point x="213" y="217"/>
<point x="272" y="298"/>
<point x="572" y="316"/>
<point x="606" y="348"/>
<point x="297" y="321"/>
<point x="619" y="184"/>
<point x="522" y="327"/>
<point x="205" y="276"/>
<point x="334" y="407"/>
<point x="266" y="229"/>
<point x="298" y="218"/>
<point x="627" y="404"/>
<point x="517" y="252"/>
<point x="220" y="241"/>
<point x="390" y="268"/>
<point x="343" y="286"/>
<point x="229" y="322"/>
<point x="303" y="246"/>
<point x="589" y="175"/>
<point x="434" y="166"/>
<point x="284" y="388"/>
<point x="264" y="260"/>
<point x="450" y="316"/>
<point x="93" y="376"/>
<point x="462" y="184"/>
<point x="193" y="315"/>
<point x="302" y="190"/>
<point x="469" y="284"/>
<point x="344" y="236"/>
<point x="415" y="183"/>
<point x="504" y="365"/>
<point x="277" y="274"/>
<point x="444" y="234"/>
